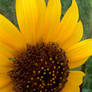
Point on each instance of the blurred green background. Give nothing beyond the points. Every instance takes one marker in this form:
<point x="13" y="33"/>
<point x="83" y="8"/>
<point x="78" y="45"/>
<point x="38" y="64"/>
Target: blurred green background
<point x="7" y="8"/>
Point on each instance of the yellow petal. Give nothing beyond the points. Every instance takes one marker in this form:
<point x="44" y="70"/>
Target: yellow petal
<point x="6" y="50"/>
<point x="77" y="63"/>
<point x="9" y="34"/>
<point x="41" y="5"/>
<point x="80" y="50"/>
<point x="4" y="80"/>
<point x="40" y="26"/>
<point x="4" y="61"/>
<point x="74" y="37"/>
<point x="27" y="16"/>
<point x="5" y="69"/>
<point x="52" y="18"/>
<point x="70" y="88"/>
<point x="75" y="79"/>
<point x="68" y="23"/>
<point x="8" y="88"/>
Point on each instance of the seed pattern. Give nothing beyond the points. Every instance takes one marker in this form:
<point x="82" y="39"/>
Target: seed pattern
<point x="41" y="68"/>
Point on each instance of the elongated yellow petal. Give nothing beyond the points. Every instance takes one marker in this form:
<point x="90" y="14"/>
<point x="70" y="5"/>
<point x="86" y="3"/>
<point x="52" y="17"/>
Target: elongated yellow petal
<point x="80" y="50"/>
<point x="52" y="18"/>
<point x="6" y="50"/>
<point x="42" y="11"/>
<point x="75" y="37"/>
<point x="5" y="67"/>
<point x="77" y="63"/>
<point x="5" y="64"/>
<point x="41" y="5"/>
<point x="4" y="80"/>
<point x="8" y="88"/>
<point x="4" y="61"/>
<point x="70" y="88"/>
<point x="73" y="75"/>
<point x="74" y="81"/>
<point x="27" y="16"/>
<point x="9" y="34"/>
<point x="68" y="23"/>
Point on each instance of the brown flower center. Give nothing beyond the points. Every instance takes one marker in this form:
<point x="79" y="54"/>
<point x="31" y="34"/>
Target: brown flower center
<point x="41" y="68"/>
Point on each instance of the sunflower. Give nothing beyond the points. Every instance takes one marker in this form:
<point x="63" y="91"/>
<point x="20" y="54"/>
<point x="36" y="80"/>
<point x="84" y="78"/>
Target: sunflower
<point x="39" y="57"/>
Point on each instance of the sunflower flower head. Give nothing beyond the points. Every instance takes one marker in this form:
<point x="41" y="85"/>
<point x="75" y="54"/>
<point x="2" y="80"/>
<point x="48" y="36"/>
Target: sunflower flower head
<point x="40" y="56"/>
<point x="43" y="66"/>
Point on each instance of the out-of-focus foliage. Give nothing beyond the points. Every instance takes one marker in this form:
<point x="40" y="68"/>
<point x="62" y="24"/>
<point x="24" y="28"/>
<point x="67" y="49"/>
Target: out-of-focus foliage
<point x="7" y="8"/>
